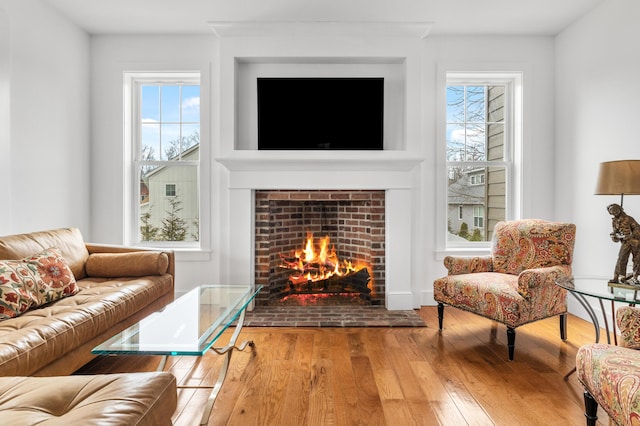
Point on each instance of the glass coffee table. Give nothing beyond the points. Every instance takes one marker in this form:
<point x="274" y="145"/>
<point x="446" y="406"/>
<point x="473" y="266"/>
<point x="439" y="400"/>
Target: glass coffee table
<point x="190" y="325"/>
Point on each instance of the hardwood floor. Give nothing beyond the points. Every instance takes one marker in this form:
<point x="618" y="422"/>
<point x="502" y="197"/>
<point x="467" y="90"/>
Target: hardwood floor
<point x="386" y="376"/>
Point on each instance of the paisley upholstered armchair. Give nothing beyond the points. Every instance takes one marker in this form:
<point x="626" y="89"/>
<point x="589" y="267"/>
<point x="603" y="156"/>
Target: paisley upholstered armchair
<point x="516" y="284"/>
<point x="611" y="374"/>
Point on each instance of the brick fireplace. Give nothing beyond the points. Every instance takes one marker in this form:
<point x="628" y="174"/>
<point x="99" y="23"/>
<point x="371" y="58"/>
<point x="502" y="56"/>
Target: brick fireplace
<point x="353" y="220"/>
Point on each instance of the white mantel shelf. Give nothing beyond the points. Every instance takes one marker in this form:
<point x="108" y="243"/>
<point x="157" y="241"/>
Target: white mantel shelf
<point x="317" y="161"/>
<point x="320" y="28"/>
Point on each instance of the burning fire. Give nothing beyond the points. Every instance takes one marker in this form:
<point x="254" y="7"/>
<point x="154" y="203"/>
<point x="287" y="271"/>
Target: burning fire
<point x="313" y="263"/>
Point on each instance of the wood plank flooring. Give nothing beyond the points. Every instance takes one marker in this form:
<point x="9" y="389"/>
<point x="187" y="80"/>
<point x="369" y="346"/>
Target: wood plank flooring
<point x="386" y="376"/>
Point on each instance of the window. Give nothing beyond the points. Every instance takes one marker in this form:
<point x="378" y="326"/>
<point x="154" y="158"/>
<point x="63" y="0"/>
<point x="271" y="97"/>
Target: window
<point x="170" y="190"/>
<point x="478" y="217"/>
<point x="165" y="143"/>
<point x="480" y="139"/>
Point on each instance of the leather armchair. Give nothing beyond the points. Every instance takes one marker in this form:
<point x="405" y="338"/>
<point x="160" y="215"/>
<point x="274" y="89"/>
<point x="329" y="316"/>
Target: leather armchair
<point x="611" y="374"/>
<point x="515" y="285"/>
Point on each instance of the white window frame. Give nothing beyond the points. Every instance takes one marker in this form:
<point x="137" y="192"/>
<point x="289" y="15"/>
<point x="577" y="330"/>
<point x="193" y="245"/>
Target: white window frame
<point x="196" y="250"/>
<point x="449" y="74"/>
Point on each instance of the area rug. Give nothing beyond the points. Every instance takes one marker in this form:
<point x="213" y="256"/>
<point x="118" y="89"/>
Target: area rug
<point x="331" y="316"/>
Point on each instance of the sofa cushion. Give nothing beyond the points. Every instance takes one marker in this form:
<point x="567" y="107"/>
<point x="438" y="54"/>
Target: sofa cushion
<point x="34" y="281"/>
<point x="68" y="240"/>
<point x="134" y="264"/>
<point x="42" y="335"/>
<point x="114" y="399"/>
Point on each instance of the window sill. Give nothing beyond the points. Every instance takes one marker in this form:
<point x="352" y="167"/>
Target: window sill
<point x="460" y="251"/>
<point x="192" y="255"/>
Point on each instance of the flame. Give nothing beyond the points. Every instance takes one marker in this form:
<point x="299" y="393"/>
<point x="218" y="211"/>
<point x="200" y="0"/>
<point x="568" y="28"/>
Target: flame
<point x="313" y="263"/>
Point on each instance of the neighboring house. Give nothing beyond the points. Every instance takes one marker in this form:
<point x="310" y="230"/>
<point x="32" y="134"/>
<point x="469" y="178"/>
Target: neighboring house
<point x="467" y="200"/>
<point x="173" y="183"/>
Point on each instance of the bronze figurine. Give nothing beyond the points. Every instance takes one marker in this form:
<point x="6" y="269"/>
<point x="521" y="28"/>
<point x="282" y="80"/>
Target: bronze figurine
<point x="627" y="232"/>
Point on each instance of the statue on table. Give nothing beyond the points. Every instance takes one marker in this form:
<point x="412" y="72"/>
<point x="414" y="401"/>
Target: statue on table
<point x="627" y="232"/>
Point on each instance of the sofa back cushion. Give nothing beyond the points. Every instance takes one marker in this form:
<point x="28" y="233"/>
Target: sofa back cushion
<point x="531" y="243"/>
<point x="132" y="264"/>
<point x="68" y="240"/>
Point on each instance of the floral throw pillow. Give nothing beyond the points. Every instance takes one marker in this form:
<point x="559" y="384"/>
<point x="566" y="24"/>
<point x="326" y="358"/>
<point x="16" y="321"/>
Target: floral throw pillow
<point x="34" y="281"/>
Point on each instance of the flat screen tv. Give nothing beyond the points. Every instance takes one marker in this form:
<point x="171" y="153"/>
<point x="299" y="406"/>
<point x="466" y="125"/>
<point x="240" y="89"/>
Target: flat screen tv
<point x="320" y="113"/>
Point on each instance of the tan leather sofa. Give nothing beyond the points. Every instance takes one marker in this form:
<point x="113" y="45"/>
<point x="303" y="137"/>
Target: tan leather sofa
<point x="142" y="399"/>
<point x="118" y="287"/>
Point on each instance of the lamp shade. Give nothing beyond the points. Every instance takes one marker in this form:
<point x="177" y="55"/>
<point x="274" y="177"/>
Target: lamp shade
<point x="619" y="178"/>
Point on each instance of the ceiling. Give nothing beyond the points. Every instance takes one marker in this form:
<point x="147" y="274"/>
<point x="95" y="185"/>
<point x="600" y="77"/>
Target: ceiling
<point x="464" y="17"/>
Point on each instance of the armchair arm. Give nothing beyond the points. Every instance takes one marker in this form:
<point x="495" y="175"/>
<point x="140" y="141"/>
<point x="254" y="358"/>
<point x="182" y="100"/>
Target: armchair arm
<point x="628" y="320"/>
<point x="468" y="265"/>
<point x="538" y="280"/>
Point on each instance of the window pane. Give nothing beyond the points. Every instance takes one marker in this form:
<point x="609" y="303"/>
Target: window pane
<point x="455" y="142"/>
<point x="475" y="143"/>
<point x="190" y="141"/>
<point x="495" y="95"/>
<point x="171" y="146"/>
<point x="150" y="143"/>
<point x="164" y="217"/>
<point x="170" y="103"/>
<point x="149" y="104"/>
<point x="495" y="140"/>
<point x="191" y="104"/>
<point x="476" y="198"/>
<point x="475" y="104"/>
<point x="455" y="104"/>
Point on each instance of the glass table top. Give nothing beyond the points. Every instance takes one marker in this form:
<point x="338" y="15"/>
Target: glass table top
<point x="601" y="289"/>
<point x="190" y="325"/>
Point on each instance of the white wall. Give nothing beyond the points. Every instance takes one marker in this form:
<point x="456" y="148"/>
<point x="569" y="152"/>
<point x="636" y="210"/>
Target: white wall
<point x="534" y="57"/>
<point x="598" y="106"/>
<point x="111" y="55"/>
<point x="45" y="151"/>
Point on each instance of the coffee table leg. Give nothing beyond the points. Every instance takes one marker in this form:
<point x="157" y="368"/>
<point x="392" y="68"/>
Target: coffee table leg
<point x="226" y="351"/>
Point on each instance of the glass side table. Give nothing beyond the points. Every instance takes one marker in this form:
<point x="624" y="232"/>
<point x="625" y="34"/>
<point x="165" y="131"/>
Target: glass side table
<point x="581" y="288"/>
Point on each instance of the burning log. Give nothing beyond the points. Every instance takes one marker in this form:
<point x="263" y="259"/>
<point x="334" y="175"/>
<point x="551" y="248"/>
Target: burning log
<point x="321" y="271"/>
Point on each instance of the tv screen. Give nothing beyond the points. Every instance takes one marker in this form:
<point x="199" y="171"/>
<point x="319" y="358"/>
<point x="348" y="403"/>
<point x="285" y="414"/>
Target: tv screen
<point x="320" y="113"/>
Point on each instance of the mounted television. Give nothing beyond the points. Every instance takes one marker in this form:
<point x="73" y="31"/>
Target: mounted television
<point x="320" y="113"/>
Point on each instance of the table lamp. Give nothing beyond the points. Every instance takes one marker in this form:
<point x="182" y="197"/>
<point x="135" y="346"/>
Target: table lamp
<point x="620" y="178"/>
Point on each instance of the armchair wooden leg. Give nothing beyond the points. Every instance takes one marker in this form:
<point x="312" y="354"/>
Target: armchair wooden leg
<point x="511" y="341"/>
<point x="563" y="326"/>
<point x="440" y="315"/>
<point x="590" y="409"/>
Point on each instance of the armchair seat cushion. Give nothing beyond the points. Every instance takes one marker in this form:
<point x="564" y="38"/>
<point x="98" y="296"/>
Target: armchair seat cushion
<point x="610" y="374"/>
<point x="492" y="295"/>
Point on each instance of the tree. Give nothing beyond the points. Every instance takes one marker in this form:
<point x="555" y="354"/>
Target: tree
<point x="477" y="235"/>
<point x="196" y="234"/>
<point x="148" y="232"/>
<point x="464" y="230"/>
<point x="174" y="228"/>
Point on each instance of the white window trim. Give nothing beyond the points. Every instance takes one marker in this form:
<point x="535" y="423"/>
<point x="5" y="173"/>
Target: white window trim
<point x="473" y="73"/>
<point x="201" y="250"/>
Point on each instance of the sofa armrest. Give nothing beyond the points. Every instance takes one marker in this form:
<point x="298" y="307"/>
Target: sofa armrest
<point x="467" y="265"/>
<point x="116" y="249"/>
<point x="628" y="320"/>
<point x="539" y="280"/>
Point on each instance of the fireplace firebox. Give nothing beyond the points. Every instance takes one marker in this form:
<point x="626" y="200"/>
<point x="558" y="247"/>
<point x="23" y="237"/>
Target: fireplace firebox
<point x="320" y="247"/>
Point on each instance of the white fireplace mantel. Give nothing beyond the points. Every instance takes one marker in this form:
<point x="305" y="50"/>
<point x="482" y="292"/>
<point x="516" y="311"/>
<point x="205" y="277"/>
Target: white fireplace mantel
<point x="393" y="50"/>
